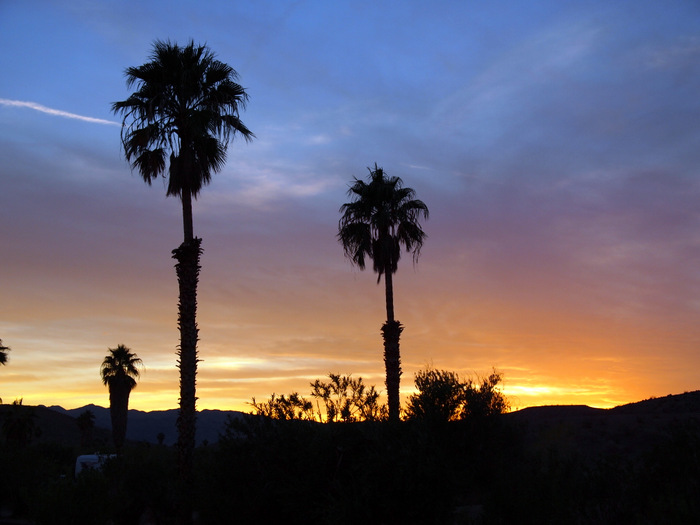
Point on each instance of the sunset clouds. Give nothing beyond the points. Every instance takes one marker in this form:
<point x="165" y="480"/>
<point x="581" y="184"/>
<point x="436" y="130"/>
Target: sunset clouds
<point x="557" y="147"/>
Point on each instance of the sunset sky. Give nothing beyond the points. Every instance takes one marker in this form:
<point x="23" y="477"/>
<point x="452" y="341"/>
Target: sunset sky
<point x="557" y="145"/>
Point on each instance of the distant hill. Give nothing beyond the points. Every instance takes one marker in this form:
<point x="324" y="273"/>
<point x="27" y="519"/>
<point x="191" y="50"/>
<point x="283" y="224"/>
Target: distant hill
<point x="626" y="429"/>
<point x="587" y="426"/>
<point x="687" y="403"/>
<point x="145" y="426"/>
<point x="672" y="404"/>
<point x="55" y="427"/>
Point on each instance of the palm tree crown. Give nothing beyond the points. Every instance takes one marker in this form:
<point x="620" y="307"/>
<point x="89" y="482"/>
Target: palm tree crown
<point x="186" y="104"/>
<point x="121" y="366"/>
<point x="383" y="216"/>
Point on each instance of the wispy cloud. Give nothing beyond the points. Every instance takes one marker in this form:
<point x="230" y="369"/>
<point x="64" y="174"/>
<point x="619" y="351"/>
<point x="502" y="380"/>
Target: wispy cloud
<point x="56" y="112"/>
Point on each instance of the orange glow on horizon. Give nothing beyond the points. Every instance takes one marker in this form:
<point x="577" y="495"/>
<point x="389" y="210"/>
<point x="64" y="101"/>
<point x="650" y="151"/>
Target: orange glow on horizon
<point x="236" y="394"/>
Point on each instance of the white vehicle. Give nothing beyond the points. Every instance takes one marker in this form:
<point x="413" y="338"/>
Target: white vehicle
<point x="91" y="461"/>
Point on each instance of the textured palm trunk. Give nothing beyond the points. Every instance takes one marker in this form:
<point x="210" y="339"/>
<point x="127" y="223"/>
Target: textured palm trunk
<point x="118" y="411"/>
<point x="391" y="332"/>
<point x="187" y="268"/>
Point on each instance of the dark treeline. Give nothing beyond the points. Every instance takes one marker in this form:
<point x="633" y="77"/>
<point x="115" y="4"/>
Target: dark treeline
<point x="609" y="467"/>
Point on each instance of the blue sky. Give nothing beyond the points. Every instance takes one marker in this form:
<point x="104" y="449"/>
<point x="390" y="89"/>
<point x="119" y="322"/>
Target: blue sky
<point x="556" y="143"/>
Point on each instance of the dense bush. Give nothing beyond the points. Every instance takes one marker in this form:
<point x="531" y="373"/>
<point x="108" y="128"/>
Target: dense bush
<point x="443" y="396"/>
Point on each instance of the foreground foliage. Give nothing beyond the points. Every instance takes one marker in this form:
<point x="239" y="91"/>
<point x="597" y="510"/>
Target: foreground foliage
<point x="497" y="471"/>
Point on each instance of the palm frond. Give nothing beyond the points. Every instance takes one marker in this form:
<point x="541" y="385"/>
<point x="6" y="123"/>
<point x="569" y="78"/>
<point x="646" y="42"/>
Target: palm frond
<point x="185" y="102"/>
<point x="121" y="365"/>
<point x="383" y="217"/>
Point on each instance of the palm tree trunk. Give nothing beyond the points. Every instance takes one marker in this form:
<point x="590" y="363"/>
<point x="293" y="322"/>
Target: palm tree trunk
<point x="389" y="290"/>
<point x="187" y="268"/>
<point x="187" y="224"/>
<point x="391" y="332"/>
<point x="118" y="411"/>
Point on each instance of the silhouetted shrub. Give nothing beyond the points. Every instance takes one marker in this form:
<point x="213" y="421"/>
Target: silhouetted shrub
<point x="346" y="399"/>
<point x="282" y="407"/>
<point x="341" y="399"/>
<point x="440" y="397"/>
<point x="443" y="396"/>
<point x="484" y="400"/>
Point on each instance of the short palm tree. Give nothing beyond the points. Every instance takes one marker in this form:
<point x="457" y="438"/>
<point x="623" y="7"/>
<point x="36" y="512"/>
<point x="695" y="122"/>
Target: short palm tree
<point x="382" y="218"/>
<point x="119" y="372"/>
<point x="182" y="115"/>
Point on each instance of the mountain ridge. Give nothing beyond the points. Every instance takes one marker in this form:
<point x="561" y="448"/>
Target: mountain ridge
<point x="145" y="426"/>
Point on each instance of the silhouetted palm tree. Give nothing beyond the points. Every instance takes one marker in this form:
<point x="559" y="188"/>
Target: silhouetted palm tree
<point x="383" y="217"/>
<point x="3" y="353"/>
<point x="119" y="372"/>
<point x="183" y="114"/>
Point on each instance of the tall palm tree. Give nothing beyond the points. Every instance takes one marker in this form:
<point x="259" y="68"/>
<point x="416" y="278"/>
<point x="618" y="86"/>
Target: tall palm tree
<point x="119" y="372"/>
<point x="183" y="113"/>
<point x="382" y="218"/>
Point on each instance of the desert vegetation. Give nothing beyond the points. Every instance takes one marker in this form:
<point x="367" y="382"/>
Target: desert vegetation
<point x="334" y="457"/>
<point x="549" y="465"/>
